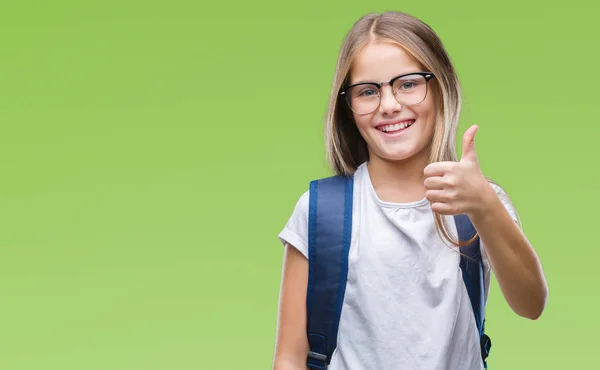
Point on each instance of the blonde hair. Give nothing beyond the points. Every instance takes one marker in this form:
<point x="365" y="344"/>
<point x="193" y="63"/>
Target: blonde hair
<point x="346" y="149"/>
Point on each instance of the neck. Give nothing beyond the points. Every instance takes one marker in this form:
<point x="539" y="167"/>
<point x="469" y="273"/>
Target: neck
<point x="398" y="181"/>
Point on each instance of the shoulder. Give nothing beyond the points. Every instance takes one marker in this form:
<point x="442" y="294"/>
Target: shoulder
<point x="302" y="204"/>
<point x="295" y="231"/>
<point x="505" y="199"/>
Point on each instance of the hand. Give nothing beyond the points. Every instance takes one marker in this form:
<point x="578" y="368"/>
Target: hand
<point x="458" y="187"/>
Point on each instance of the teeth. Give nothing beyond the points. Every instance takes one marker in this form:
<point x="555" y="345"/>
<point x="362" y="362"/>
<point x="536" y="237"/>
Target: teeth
<point x="396" y="127"/>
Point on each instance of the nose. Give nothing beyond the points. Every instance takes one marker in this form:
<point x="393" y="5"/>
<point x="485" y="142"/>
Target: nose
<point x="388" y="104"/>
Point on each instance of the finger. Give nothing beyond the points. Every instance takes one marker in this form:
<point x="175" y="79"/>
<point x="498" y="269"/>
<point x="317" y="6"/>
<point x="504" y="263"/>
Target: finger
<point x="442" y="208"/>
<point x="468" y="144"/>
<point x="438" y="168"/>
<point x="435" y="182"/>
<point x="436" y="196"/>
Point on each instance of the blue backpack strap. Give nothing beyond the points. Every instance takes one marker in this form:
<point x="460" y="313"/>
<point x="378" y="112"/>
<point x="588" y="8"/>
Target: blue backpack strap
<point x="329" y="233"/>
<point x="471" y="265"/>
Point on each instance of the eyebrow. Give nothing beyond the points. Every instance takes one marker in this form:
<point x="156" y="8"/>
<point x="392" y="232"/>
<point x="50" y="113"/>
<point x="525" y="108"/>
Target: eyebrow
<point x="373" y="81"/>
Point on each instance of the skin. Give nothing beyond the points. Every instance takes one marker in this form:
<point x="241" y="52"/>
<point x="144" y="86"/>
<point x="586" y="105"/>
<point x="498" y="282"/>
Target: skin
<point x="460" y="187"/>
<point x="291" y="344"/>
<point x="400" y="172"/>
<point x="395" y="165"/>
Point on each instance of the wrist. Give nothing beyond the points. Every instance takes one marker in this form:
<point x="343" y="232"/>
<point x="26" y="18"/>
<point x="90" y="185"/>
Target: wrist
<point x="487" y="201"/>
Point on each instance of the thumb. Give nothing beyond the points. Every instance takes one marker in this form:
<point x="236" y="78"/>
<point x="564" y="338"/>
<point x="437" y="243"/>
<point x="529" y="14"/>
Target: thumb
<point x="468" y="144"/>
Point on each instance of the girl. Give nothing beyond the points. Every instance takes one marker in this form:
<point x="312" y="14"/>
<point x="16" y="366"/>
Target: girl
<point x="391" y="125"/>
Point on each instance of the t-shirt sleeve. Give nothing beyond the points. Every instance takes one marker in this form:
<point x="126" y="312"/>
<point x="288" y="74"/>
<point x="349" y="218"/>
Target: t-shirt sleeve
<point x="295" y="231"/>
<point x="511" y="210"/>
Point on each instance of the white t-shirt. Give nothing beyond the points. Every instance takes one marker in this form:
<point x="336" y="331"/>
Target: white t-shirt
<point x="405" y="305"/>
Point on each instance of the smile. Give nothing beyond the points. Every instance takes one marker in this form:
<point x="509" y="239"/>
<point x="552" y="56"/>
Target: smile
<point x="395" y="128"/>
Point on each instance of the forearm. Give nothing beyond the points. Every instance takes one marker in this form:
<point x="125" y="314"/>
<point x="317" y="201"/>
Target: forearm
<point x="512" y="258"/>
<point x="288" y="365"/>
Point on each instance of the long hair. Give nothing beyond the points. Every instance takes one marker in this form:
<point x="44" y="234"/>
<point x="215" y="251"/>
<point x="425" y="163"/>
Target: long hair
<point x="346" y="148"/>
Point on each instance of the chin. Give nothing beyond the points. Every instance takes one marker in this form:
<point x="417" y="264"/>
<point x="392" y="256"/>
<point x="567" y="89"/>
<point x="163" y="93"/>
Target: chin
<point x="393" y="156"/>
<point x="399" y="154"/>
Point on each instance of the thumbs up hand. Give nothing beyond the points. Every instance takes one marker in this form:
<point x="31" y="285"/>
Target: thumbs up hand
<point x="458" y="187"/>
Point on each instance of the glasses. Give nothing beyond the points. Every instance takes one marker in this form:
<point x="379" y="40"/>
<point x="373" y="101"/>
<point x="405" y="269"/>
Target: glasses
<point x="408" y="89"/>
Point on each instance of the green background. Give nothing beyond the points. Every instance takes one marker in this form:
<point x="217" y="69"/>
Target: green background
<point x="151" y="152"/>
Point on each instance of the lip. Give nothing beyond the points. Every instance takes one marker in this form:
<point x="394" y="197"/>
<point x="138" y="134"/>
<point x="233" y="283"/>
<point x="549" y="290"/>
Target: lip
<point x="396" y="134"/>
<point x="394" y="122"/>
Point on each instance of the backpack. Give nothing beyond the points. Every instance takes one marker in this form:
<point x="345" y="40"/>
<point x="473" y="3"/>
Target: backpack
<point x="329" y="236"/>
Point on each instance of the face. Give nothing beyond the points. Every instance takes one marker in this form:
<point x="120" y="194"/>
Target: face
<point x="393" y="132"/>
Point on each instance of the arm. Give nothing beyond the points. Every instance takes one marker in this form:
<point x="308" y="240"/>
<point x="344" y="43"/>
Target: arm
<point x="291" y="344"/>
<point x="460" y="187"/>
<point x="511" y="256"/>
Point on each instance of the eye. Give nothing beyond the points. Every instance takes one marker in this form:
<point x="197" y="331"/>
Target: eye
<point x="408" y="85"/>
<point x="367" y="92"/>
<point x="364" y="91"/>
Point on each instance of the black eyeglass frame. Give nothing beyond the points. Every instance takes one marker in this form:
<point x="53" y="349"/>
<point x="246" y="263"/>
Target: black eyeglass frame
<point x="427" y="75"/>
